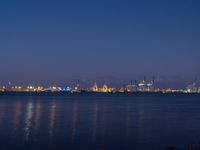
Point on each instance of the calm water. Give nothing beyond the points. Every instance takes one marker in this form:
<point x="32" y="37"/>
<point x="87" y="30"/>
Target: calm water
<point x="98" y="121"/>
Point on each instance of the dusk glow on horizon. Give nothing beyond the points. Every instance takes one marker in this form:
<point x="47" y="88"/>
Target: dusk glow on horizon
<point x="51" y="42"/>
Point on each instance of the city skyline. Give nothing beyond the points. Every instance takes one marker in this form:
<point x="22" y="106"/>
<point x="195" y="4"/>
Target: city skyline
<point x="145" y="85"/>
<point x="175" y="82"/>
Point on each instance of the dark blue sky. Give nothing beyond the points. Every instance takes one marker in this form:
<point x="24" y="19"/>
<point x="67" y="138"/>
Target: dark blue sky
<point x="56" y="41"/>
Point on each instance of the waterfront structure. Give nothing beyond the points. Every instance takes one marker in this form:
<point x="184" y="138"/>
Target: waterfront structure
<point x="16" y="88"/>
<point x="77" y="88"/>
<point x="30" y="88"/>
<point x="106" y="88"/>
<point x="33" y="89"/>
<point x="2" y="88"/>
<point x="199" y="90"/>
<point x="192" y="88"/>
<point x="95" y="88"/>
<point x="8" y="86"/>
<point x="39" y="88"/>
<point x="53" y="89"/>
<point x="150" y="85"/>
<point x="143" y="86"/>
<point x="123" y="88"/>
<point x="67" y="89"/>
<point x="132" y="87"/>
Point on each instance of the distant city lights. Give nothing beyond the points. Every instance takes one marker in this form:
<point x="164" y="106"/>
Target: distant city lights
<point x="142" y="86"/>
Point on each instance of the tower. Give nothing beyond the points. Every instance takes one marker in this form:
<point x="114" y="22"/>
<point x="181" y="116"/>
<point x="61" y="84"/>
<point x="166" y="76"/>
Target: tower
<point x="78" y="87"/>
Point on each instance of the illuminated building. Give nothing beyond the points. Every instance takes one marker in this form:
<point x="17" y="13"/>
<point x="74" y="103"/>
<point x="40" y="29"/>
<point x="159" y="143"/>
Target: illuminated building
<point x="142" y="85"/>
<point x="2" y="88"/>
<point x="39" y="89"/>
<point x="16" y="88"/>
<point x="9" y="86"/>
<point x="192" y="88"/>
<point x="150" y="86"/>
<point x="123" y="89"/>
<point x="146" y="87"/>
<point x="53" y="89"/>
<point x="67" y="89"/>
<point x="30" y="89"/>
<point x="105" y="88"/>
<point x="77" y="87"/>
<point x="95" y="88"/>
<point x="131" y="87"/>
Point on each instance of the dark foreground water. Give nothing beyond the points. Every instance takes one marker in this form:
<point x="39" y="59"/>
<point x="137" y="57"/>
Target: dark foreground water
<point x="98" y="121"/>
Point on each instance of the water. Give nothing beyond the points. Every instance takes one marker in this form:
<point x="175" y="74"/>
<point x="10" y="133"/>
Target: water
<point x="98" y="121"/>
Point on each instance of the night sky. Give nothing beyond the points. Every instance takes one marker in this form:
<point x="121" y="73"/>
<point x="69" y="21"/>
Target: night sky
<point x="58" y="42"/>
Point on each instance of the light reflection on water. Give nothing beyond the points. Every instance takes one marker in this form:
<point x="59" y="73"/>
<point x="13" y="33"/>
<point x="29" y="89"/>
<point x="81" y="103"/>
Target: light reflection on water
<point x="2" y="111"/>
<point x="89" y="122"/>
<point x="74" y="120"/>
<point x="38" y="113"/>
<point x="16" y="115"/>
<point x="28" y="119"/>
<point x="95" y="119"/>
<point x="52" y="118"/>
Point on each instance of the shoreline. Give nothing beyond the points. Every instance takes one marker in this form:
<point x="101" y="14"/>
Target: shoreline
<point x="97" y="93"/>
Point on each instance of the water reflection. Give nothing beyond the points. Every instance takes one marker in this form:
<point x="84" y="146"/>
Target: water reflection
<point x="128" y="119"/>
<point x="2" y="112"/>
<point x="74" y="120"/>
<point x="38" y="113"/>
<point x="17" y="115"/>
<point x="96" y="123"/>
<point x="95" y="118"/>
<point x="28" y="119"/>
<point x="52" y="119"/>
<point x="103" y="121"/>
